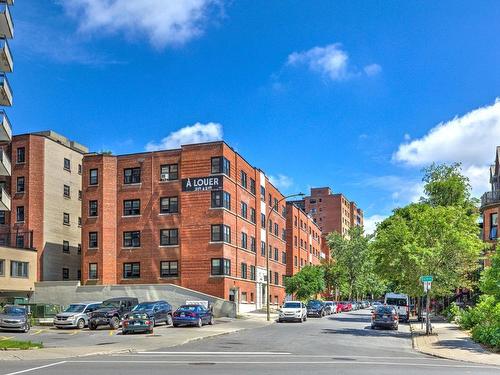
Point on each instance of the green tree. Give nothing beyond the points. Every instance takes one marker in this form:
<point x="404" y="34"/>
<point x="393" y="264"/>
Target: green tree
<point x="490" y="278"/>
<point x="309" y="281"/>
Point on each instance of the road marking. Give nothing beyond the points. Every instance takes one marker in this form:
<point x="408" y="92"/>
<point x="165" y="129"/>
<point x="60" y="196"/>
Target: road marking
<point x="4" y="338"/>
<point x="38" y="332"/>
<point x="215" y="353"/>
<point x="36" y="368"/>
<point x="111" y="333"/>
<point x="74" y="332"/>
<point x="291" y="363"/>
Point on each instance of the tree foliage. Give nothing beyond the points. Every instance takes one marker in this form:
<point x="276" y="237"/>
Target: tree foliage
<point x="490" y="278"/>
<point x="309" y="281"/>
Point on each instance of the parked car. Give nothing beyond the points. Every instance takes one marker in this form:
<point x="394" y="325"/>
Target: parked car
<point x="159" y="311"/>
<point x="15" y="318"/>
<point x="402" y="304"/>
<point x="76" y="315"/>
<point x="375" y="304"/>
<point x="332" y="306"/>
<point x="346" y="306"/>
<point x="194" y="315"/>
<point x="292" y="310"/>
<point x="138" y="321"/>
<point x="315" y="308"/>
<point x="385" y="316"/>
<point x="111" y="312"/>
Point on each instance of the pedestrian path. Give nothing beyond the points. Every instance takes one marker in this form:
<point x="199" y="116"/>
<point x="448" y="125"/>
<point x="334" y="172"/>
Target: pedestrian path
<point x="449" y="341"/>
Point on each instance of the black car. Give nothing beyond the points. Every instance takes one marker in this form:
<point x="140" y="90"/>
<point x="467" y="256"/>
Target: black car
<point x="111" y="312"/>
<point x="158" y="311"/>
<point x="385" y="317"/>
<point x="315" y="308"/>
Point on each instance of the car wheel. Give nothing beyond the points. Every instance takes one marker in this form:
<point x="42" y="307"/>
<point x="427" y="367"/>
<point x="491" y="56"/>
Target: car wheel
<point x="80" y="324"/>
<point x="124" y="332"/>
<point x="92" y="326"/>
<point x="175" y="324"/>
<point x="114" y="323"/>
<point x="305" y="318"/>
<point x="26" y="328"/>
<point x="154" y="322"/>
<point x="169" y="320"/>
<point x="211" y="321"/>
<point x="199" y="323"/>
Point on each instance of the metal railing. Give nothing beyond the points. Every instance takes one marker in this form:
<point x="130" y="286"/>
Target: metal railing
<point x="21" y="240"/>
<point x="490" y="197"/>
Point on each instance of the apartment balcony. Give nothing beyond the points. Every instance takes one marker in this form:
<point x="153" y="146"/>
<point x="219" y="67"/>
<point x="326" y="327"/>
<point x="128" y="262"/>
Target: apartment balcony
<point x="490" y="198"/>
<point x="5" y="128"/>
<point x="6" y="61"/>
<point x="5" y="166"/>
<point x="4" y="199"/>
<point x="21" y="240"/>
<point x="6" y="25"/>
<point x="5" y="91"/>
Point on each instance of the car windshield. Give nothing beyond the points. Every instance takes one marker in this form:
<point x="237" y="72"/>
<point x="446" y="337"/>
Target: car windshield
<point x="144" y="306"/>
<point x="189" y="308"/>
<point x="397" y="301"/>
<point x="329" y="303"/>
<point x="384" y="310"/>
<point x="314" y="304"/>
<point x="138" y="316"/>
<point x="13" y="310"/>
<point x="75" y="308"/>
<point x="111" y="304"/>
<point x="291" y="305"/>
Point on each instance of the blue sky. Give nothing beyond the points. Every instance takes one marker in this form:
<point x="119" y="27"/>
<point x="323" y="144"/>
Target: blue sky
<point x="355" y="95"/>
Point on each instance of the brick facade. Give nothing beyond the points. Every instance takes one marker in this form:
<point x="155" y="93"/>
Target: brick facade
<point x="195" y="247"/>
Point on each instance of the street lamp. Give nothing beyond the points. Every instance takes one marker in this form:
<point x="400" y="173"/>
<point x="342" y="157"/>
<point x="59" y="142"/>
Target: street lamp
<point x="267" y="249"/>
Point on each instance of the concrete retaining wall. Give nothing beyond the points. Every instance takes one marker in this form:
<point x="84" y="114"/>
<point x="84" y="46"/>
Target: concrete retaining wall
<point x="66" y="292"/>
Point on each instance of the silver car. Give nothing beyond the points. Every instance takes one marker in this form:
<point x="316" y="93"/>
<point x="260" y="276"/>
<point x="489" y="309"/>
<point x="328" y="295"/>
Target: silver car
<point x="76" y="315"/>
<point x="14" y="318"/>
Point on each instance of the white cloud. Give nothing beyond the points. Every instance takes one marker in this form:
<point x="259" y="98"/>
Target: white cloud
<point x="370" y="223"/>
<point x="196" y="133"/>
<point x="331" y="61"/>
<point x="470" y="139"/>
<point x="163" y="22"/>
<point x="281" y="181"/>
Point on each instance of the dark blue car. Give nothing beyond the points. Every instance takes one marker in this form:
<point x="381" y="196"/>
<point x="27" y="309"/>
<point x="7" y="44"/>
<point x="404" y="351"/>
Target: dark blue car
<point x="192" y="315"/>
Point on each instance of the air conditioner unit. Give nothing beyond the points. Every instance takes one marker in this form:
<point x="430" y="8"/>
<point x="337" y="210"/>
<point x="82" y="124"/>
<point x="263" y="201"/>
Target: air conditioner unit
<point x="164" y="177"/>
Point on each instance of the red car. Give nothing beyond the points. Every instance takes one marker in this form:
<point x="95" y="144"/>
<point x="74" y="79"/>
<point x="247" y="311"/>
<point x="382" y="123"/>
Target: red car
<point x="346" y="306"/>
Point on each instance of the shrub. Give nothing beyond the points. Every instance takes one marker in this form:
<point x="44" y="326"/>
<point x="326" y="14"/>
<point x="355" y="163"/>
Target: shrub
<point x="452" y="312"/>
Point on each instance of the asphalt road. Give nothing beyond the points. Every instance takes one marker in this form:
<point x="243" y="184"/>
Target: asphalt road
<point x="341" y="344"/>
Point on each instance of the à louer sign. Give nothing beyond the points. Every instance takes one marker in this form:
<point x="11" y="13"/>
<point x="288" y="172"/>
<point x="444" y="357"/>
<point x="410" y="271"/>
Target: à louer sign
<point x="202" y="183"/>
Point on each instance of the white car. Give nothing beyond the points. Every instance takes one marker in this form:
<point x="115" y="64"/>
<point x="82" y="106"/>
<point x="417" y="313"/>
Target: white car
<point x="292" y="310"/>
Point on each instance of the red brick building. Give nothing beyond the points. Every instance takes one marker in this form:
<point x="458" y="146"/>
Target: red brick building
<point x="193" y="216"/>
<point x="303" y="240"/>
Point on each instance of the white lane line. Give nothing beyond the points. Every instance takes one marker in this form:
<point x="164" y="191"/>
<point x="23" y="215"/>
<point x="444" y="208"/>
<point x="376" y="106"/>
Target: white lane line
<point x="367" y="363"/>
<point x="214" y="353"/>
<point x="36" y="368"/>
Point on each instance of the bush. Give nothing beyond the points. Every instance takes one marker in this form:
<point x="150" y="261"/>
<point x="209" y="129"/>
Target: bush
<point x="452" y="312"/>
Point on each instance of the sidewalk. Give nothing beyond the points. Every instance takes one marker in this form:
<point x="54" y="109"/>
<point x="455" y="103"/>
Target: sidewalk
<point x="448" y="341"/>
<point x="174" y="337"/>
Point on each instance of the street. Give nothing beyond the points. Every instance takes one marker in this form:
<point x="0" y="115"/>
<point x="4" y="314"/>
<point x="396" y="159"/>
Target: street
<point x="341" y="343"/>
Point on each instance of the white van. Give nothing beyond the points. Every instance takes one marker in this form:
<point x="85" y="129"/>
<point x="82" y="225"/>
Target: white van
<point x="402" y="304"/>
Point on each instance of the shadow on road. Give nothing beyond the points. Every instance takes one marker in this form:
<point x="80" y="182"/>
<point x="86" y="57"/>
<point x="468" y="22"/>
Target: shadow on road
<point x="367" y="332"/>
<point x="361" y="319"/>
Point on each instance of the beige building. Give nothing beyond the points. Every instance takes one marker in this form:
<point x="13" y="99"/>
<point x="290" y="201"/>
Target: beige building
<point x="17" y="272"/>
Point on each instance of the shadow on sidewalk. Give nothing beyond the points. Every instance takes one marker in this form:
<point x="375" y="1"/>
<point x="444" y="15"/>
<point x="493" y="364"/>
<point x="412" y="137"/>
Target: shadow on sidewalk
<point x="462" y="344"/>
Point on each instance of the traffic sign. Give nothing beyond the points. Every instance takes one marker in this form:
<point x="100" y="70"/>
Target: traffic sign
<point x="427" y="286"/>
<point x="426" y="279"/>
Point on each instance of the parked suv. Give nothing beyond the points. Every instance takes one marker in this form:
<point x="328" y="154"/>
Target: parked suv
<point x="316" y="308"/>
<point x="292" y="310"/>
<point x="158" y="311"/>
<point x="76" y="315"/>
<point x="111" y="312"/>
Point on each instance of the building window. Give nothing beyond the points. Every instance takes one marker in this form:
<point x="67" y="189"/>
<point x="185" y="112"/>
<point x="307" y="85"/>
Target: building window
<point x="132" y="175"/>
<point x="283" y="234"/>
<point x="244" y="270"/>
<point x="295" y="241"/>
<point x="283" y="211"/>
<point x="262" y="248"/>
<point x="169" y="172"/>
<point x="93" y="271"/>
<point x="79" y="169"/>
<point x="79" y="251"/>
<point x="131" y="207"/>
<point x="66" y="218"/>
<point x="169" y="205"/>
<point x="283" y="257"/>
<point x="221" y="266"/>
<point x="132" y="270"/>
<point x="262" y="193"/>
<point x="252" y="215"/>
<point x="79" y="274"/>
<point x="2" y="267"/>
<point x="275" y="206"/>
<point x="169" y="268"/>
<point x="276" y="229"/>
<point x="79" y="195"/>
<point x="20" y="241"/>
<point x="2" y="217"/>
<point x="132" y="239"/>
<point x="493" y="226"/>
<point x="66" y="247"/>
<point x="221" y="165"/>
<point x="79" y="221"/>
<point x="276" y="254"/>
<point x="93" y="177"/>
<point x="252" y="244"/>
<point x="66" y="191"/>
<point x="19" y="269"/>
<point x="243" y="179"/>
<point x="270" y="252"/>
<point x="244" y="297"/>
<point x="244" y="240"/>
<point x="263" y="221"/>
<point x="67" y="164"/>
<point x="221" y="233"/>
<point x="244" y="209"/>
<point x="252" y="186"/>
<point x="252" y="273"/>
<point x="221" y="199"/>
<point x="21" y="155"/>
<point x="20" y="185"/>
<point x="169" y="237"/>
<point x="276" y="278"/>
<point x="65" y="273"/>
<point x="93" y="208"/>
<point x="270" y="226"/>
<point x="295" y="261"/>
<point x="93" y="240"/>
<point x="20" y="214"/>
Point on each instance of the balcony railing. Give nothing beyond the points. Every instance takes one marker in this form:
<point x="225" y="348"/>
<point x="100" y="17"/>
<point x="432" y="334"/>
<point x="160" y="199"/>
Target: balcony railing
<point x="490" y="197"/>
<point x="5" y="128"/>
<point x="6" y="24"/>
<point x="5" y="165"/>
<point x="4" y="199"/>
<point x="5" y="91"/>
<point x="6" y="61"/>
<point x="21" y="240"/>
